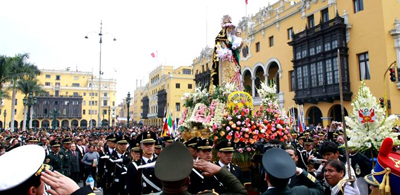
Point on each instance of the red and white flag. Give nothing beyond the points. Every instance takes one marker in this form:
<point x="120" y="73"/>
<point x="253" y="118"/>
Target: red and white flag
<point x="247" y="2"/>
<point x="153" y="55"/>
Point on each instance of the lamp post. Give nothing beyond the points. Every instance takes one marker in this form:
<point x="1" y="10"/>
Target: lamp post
<point x="54" y="112"/>
<point x="5" y="115"/>
<point x="29" y="101"/>
<point x="109" y="110"/>
<point x="100" y="73"/>
<point x="128" y="101"/>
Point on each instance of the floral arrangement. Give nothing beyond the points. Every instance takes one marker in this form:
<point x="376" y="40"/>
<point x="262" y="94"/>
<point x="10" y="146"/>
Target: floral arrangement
<point x="368" y="135"/>
<point x="268" y="93"/>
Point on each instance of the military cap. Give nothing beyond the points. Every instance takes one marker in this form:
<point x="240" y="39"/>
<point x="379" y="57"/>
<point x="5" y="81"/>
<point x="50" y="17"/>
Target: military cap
<point x="307" y="133"/>
<point x="55" y="143"/>
<point x="278" y="163"/>
<point x="158" y="144"/>
<point x="112" y="138"/>
<point x="192" y="142"/>
<point x="122" y="139"/>
<point x="225" y="146"/>
<point x="302" y="137"/>
<point x="320" y="134"/>
<point x="32" y="139"/>
<point x="204" y="144"/>
<point x="168" y="139"/>
<point x="135" y="146"/>
<point x="175" y="155"/>
<point x="387" y="171"/>
<point x="308" y="141"/>
<point x="294" y="133"/>
<point x="67" y="140"/>
<point x="18" y="157"/>
<point x="147" y="137"/>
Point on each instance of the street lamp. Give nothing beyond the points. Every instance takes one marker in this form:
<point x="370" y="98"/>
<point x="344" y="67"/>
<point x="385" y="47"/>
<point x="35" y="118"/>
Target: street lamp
<point x="128" y="101"/>
<point x="5" y="115"/>
<point x="109" y="110"/>
<point x="100" y="73"/>
<point x="29" y="101"/>
<point x="54" y="112"/>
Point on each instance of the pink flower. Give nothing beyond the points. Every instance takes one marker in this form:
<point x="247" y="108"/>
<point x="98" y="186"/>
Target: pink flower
<point x="228" y="128"/>
<point x="256" y="132"/>
<point x="237" y="135"/>
<point x="248" y="149"/>
<point x="240" y="150"/>
<point x="238" y="123"/>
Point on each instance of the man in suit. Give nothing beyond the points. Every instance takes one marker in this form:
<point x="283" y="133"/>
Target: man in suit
<point x="279" y="168"/>
<point x="75" y="160"/>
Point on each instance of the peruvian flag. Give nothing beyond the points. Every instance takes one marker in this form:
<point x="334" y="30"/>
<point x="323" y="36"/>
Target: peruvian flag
<point x="247" y="2"/>
<point x="153" y="55"/>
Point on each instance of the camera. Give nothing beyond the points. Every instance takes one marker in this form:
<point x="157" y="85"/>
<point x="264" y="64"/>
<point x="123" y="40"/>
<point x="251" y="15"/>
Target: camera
<point x="315" y="161"/>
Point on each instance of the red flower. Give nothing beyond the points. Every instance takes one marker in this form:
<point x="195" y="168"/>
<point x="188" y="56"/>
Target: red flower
<point x="229" y="137"/>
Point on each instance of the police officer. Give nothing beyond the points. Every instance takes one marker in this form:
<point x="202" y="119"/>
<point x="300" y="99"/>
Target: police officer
<point x="55" y="158"/>
<point x="66" y="151"/>
<point x="198" y="181"/>
<point x="120" y="158"/>
<point x="176" y="180"/>
<point x="143" y="181"/>
<point x="104" y="167"/>
<point x="280" y="168"/>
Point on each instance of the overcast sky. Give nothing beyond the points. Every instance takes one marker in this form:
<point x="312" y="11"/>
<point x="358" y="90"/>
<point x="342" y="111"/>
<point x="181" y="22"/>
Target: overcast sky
<point x="53" y="32"/>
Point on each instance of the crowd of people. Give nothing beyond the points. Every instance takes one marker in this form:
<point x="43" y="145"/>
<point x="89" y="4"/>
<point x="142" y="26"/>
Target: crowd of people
<point x="125" y="161"/>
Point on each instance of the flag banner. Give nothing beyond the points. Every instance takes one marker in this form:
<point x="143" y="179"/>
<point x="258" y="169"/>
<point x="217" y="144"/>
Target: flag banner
<point x="170" y="128"/>
<point x="153" y="55"/>
<point x="247" y="2"/>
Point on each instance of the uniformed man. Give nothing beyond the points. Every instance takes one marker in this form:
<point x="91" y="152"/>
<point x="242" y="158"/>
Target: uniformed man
<point x="198" y="181"/>
<point x="191" y="145"/>
<point x="144" y="181"/>
<point x="157" y="148"/>
<point x="105" y="166"/>
<point x="55" y="158"/>
<point x="279" y="168"/>
<point x="31" y="141"/>
<point x="176" y="180"/>
<point x="66" y="151"/>
<point x="29" y="178"/>
<point x="120" y="158"/>
<point x="167" y="140"/>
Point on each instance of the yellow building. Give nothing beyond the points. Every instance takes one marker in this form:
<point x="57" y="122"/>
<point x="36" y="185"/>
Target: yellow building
<point x="139" y="93"/>
<point x="295" y="45"/>
<point x="163" y="93"/>
<point x="72" y="97"/>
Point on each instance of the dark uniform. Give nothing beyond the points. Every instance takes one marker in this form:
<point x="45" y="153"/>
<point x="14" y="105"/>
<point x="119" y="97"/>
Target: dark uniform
<point x="179" y="157"/>
<point x="55" y="159"/>
<point x="118" y="174"/>
<point x="228" y="148"/>
<point x="67" y="160"/>
<point x="198" y="182"/>
<point x="104" y="166"/>
<point x="143" y="181"/>
<point x="278" y="164"/>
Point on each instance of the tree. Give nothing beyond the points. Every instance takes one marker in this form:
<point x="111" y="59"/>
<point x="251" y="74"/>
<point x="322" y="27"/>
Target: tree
<point x="19" y="68"/>
<point x="27" y="85"/>
<point x="4" y="76"/>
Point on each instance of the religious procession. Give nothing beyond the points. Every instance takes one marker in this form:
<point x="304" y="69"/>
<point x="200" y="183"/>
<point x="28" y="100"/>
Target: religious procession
<point x="223" y="142"/>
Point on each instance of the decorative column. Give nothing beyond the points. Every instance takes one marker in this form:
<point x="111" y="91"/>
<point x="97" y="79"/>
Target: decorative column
<point x="396" y="35"/>
<point x="253" y="87"/>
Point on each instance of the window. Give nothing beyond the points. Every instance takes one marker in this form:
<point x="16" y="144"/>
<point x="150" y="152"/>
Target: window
<point x="334" y="44"/>
<point x="104" y="102"/>
<point x="313" y="74"/>
<point x="310" y="20"/>
<point x="66" y="103"/>
<point x="58" y="77"/>
<point x="187" y="71"/>
<point x="304" y="52"/>
<point x="56" y="93"/>
<point x="47" y="83"/>
<point x="45" y="111"/>
<point x="177" y="85"/>
<point x="363" y="61"/>
<point x="320" y="73"/>
<point x="325" y="15"/>
<point x="312" y="51"/>
<point x="327" y="46"/>
<point x="358" y="5"/>
<point x="329" y="76"/>
<point x="113" y="103"/>
<point x="15" y="111"/>
<point x="178" y="106"/>
<point x="84" y="93"/>
<point x="47" y="76"/>
<point x="16" y="101"/>
<point x="319" y="48"/>
<point x="76" y="77"/>
<point x="335" y="71"/>
<point x="290" y="33"/>
<point x="257" y="47"/>
<point x="57" y="84"/>
<point x="83" y="111"/>
<point x="271" y="41"/>
<point x="299" y="78"/>
<point x="75" y="84"/>
<point x="305" y="76"/>
<point x="189" y="86"/>
<point x="84" y="102"/>
<point x="105" y="94"/>
<point x="55" y="102"/>
<point x="76" y="94"/>
<point x="292" y="81"/>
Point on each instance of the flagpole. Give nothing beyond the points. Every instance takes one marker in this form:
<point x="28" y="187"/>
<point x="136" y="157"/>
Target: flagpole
<point x="343" y="121"/>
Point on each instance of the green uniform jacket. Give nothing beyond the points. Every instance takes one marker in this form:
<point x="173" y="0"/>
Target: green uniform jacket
<point x="232" y="184"/>
<point x="311" y="187"/>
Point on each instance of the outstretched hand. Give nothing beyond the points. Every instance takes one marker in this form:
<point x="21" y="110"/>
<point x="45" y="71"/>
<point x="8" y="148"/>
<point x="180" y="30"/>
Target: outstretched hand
<point x="208" y="169"/>
<point x="59" y="183"/>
